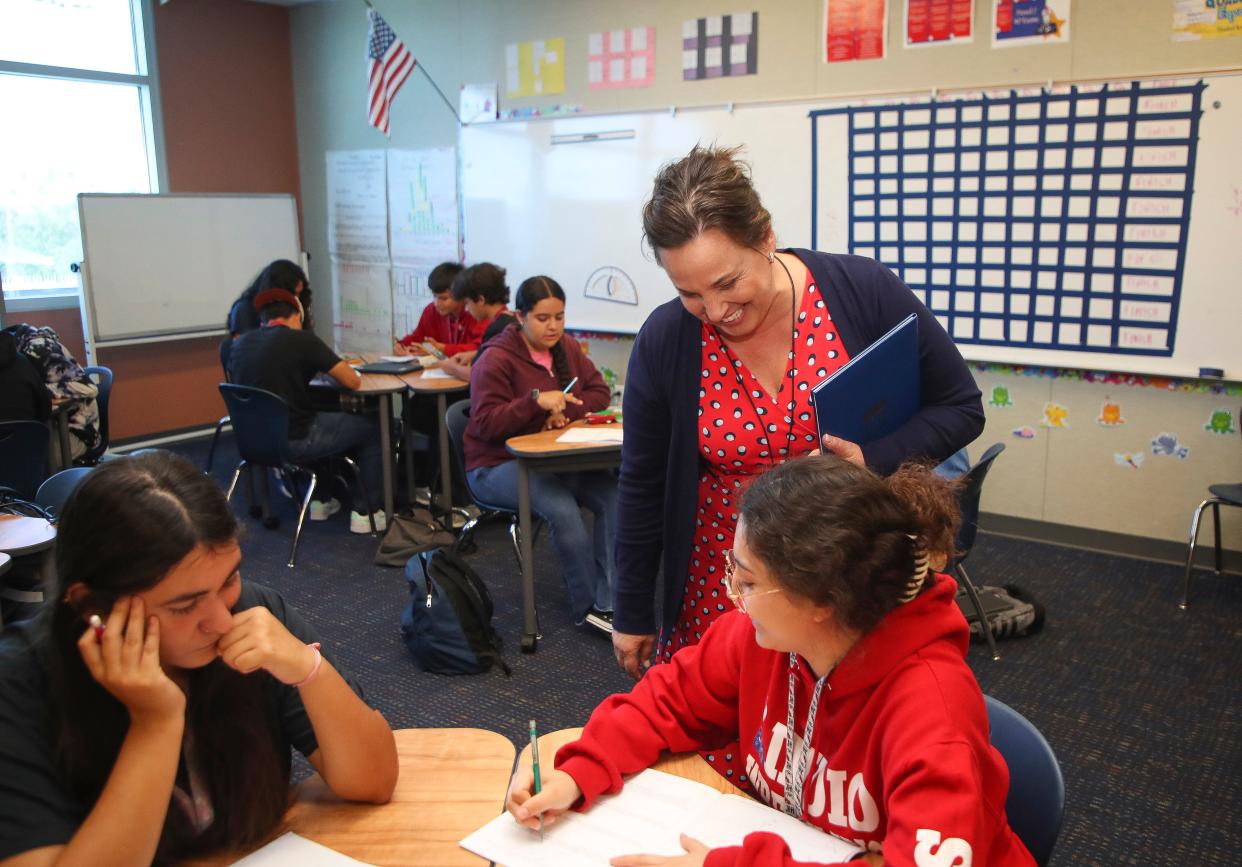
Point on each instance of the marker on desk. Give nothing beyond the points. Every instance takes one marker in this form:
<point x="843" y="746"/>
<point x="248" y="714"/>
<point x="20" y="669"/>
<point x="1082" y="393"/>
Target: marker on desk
<point x="534" y="758"/>
<point x="572" y="383"/>
<point x="97" y="625"/>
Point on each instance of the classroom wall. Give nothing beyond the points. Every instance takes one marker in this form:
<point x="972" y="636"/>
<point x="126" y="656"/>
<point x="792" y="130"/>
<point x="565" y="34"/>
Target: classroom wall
<point x="1064" y="476"/>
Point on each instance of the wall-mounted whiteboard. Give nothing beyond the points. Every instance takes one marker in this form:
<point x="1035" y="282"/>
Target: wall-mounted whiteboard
<point x="573" y="211"/>
<point x="158" y="266"/>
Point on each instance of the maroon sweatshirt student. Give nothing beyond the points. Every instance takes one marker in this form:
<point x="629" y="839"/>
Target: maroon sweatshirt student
<point x="501" y="406"/>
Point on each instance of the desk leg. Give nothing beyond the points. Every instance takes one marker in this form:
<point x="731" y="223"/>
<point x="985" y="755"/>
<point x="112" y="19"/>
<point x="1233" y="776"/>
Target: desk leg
<point x="530" y="632"/>
<point x="62" y="429"/>
<point x="385" y="410"/>
<point x="407" y="447"/>
<point x="446" y="472"/>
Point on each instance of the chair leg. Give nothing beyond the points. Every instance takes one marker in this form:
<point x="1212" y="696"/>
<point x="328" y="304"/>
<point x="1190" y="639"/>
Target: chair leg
<point x="306" y="500"/>
<point x="974" y="600"/>
<point x="1190" y="550"/>
<point x="215" y="438"/>
<point x="366" y="496"/>
<point x="515" y="534"/>
<point x="1216" y="527"/>
<point x="236" y="474"/>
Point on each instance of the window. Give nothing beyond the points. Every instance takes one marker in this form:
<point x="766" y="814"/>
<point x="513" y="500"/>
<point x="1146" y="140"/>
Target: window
<point x="77" y="118"/>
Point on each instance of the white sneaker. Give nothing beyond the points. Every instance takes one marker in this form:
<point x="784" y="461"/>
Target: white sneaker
<point x="359" y="523"/>
<point x="323" y="511"/>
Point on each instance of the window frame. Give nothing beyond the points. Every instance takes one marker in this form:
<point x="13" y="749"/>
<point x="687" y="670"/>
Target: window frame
<point x="146" y="80"/>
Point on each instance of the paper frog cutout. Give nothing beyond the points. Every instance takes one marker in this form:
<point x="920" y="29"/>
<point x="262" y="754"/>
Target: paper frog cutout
<point x="1220" y="422"/>
<point x="1133" y="460"/>
<point x="1055" y="415"/>
<point x="1166" y="444"/>
<point x="1110" y="414"/>
<point x="1000" y="396"/>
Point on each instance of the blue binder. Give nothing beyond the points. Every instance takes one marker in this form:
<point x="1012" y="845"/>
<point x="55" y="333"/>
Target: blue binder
<point x="876" y="391"/>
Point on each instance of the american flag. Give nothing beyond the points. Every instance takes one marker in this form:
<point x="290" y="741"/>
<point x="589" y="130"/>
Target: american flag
<point x="391" y="64"/>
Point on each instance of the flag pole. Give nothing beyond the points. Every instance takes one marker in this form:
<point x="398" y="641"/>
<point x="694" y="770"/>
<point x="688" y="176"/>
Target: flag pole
<point x="426" y="75"/>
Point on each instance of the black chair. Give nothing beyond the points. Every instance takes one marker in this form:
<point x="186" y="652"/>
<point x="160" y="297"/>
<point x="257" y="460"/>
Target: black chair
<point x="968" y="501"/>
<point x="1219" y="495"/>
<point x="261" y="426"/>
<point x="456" y="418"/>
<point x="102" y="377"/>
<point x="54" y="493"/>
<point x="1036" y="801"/>
<point x="226" y="347"/>
<point x="23" y="456"/>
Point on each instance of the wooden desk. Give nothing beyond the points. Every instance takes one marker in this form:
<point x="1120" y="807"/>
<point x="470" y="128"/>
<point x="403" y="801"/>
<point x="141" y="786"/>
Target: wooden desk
<point x="441" y="388"/>
<point x="22" y="536"/>
<point x="542" y="453"/>
<point x="452" y="781"/>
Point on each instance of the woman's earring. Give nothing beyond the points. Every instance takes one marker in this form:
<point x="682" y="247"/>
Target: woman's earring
<point x="771" y="258"/>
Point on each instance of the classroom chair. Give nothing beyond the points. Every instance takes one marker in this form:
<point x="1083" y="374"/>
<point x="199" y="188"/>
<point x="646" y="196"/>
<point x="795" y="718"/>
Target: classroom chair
<point x="261" y="427"/>
<point x="226" y="346"/>
<point x="102" y="377"/>
<point x="1036" y="802"/>
<point x="456" y="418"/>
<point x="54" y="493"/>
<point x="1220" y="495"/>
<point x="23" y="456"/>
<point x="968" y="502"/>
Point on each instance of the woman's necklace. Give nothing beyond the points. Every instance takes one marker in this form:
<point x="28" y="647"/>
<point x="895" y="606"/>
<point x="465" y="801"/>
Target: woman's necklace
<point x="793" y="348"/>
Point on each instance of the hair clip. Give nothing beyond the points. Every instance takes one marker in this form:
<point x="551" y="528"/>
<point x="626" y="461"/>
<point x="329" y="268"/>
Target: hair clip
<point x="919" y="576"/>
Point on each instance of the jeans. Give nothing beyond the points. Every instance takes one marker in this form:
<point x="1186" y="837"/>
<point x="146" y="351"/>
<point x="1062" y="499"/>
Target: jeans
<point x="955" y="465"/>
<point x="557" y="498"/>
<point x="339" y="433"/>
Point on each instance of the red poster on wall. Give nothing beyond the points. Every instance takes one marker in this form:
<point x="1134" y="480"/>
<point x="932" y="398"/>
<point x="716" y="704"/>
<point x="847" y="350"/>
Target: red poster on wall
<point x="854" y="29"/>
<point x="929" y="22"/>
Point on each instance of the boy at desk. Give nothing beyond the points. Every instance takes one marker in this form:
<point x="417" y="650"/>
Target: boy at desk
<point x="482" y="289"/>
<point x="842" y="675"/>
<point x="282" y="358"/>
<point x="445" y="323"/>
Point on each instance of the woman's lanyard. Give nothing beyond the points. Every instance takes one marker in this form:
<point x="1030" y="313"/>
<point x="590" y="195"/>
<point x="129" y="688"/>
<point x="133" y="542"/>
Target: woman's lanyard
<point x="795" y="778"/>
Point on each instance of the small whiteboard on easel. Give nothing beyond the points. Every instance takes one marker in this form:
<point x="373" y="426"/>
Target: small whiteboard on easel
<point x="165" y="267"/>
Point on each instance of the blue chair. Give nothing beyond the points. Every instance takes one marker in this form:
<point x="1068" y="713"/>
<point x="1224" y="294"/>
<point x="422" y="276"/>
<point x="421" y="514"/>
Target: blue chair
<point x="261" y="428"/>
<point x="968" y="502"/>
<point x="54" y="493"/>
<point x="102" y="377"/>
<point x="23" y="456"/>
<point x="1036" y="802"/>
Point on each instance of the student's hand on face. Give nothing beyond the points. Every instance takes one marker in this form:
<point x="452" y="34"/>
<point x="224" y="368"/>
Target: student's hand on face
<point x="125" y="661"/>
<point x="633" y="652"/>
<point x="844" y="449"/>
<point x="558" y="793"/>
<point x="696" y="856"/>
<point x="259" y="641"/>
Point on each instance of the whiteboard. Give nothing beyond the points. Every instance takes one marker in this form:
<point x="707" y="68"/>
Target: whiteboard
<point x="573" y="211"/>
<point x="172" y="265"/>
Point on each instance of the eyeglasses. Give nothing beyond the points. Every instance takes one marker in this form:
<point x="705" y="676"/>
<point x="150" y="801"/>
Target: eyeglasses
<point x="737" y="598"/>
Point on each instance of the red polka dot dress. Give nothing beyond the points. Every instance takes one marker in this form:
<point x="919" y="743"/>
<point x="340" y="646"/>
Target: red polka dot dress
<point x="742" y="432"/>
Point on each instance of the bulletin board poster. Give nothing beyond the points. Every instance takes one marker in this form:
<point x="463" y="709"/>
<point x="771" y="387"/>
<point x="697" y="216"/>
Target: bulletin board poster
<point x="939" y="22"/>
<point x="855" y="30"/>
<point x="1206" y="19"/>
<point x="1030" y="22"/>
<point x="535" y="68"/>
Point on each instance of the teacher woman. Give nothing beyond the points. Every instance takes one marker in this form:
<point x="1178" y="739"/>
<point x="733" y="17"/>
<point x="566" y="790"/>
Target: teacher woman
<point x="718" y="389"/>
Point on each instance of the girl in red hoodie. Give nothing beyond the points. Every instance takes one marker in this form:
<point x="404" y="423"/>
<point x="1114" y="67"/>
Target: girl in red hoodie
<point x="843" y="677"/>
<point x="533" y="377"/>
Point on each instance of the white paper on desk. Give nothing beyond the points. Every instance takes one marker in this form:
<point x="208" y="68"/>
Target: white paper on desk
<point x="427" y="361"/>
<point x="293" y="849"/>
<point x="605" y="433"/>
<point x="394" y="358"/>
<point x="646" y="817"/>
<point x="435" y="373"/>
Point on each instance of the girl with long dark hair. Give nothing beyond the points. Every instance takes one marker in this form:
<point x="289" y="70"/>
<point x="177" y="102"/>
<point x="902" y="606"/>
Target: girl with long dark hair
<point x="163" y="727"/>
<point x="280" y="274"/>
<point x="533" y="377"/>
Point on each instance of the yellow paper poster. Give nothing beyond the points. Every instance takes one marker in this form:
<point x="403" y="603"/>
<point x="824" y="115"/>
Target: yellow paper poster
<point x="1206" y="19"/>
<point x="535" y="68"/>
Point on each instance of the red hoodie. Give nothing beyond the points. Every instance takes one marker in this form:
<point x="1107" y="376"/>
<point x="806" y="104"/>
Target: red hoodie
<point x="501" y="381"/>
<point x="900" y="753"/>
<point x="459" y="333"/>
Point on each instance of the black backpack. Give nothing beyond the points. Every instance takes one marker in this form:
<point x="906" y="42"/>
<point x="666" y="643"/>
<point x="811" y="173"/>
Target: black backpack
<point x="448" y="623"/>
<point x="1010" y="611"/>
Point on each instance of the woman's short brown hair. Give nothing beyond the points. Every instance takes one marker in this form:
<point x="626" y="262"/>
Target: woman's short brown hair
<point x="839" y="535"/>
<point x="708" y="188"/>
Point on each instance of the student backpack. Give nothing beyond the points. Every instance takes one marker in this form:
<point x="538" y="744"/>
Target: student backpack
<point x="448" y="623"/>
<point x="1010" y="612"/>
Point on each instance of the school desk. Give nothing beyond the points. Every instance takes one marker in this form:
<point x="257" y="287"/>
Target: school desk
<point x="22" y="536"/>
<point x="441" y="388"/>
<point x="542" y="453"/>
<point x="451" y="782"/>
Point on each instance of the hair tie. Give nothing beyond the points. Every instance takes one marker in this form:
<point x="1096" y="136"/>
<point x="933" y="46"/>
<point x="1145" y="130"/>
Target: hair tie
<point x="919" y="576"/>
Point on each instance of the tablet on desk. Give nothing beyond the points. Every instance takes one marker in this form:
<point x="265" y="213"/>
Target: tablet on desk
<point x="876" y="391"/>
<point x="405" y="365"/>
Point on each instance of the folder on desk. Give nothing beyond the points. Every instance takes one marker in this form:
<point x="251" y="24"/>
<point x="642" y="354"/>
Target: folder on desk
<point x="396" y="368"/>
<point x="876" y="391"/>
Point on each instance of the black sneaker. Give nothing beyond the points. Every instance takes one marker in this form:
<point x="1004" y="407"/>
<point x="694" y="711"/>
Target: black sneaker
<point x="601" y="620"/>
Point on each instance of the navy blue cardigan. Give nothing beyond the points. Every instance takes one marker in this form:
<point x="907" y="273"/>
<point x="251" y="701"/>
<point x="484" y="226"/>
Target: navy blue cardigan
<point x="660" y="466"/>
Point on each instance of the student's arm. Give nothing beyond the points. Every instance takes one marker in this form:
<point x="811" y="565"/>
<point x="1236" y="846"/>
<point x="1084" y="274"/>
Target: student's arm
<point x="356" y="756"/>
<point x="590" y="389"/>
<point x="496" y="412"/>
<point x="421" y="331"/>
<point x="471" y="338"/>
<point x="345" y="375"/>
